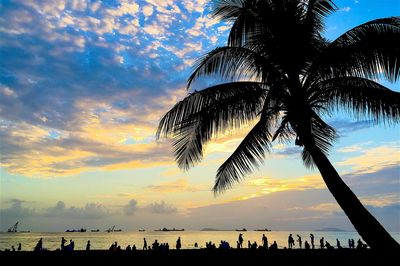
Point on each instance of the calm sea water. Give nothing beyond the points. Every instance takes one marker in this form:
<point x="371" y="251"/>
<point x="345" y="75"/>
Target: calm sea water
<point x="100" y="240"/>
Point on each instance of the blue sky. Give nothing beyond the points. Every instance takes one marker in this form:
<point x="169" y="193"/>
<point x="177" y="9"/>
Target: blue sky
<point x="83" y="85"/>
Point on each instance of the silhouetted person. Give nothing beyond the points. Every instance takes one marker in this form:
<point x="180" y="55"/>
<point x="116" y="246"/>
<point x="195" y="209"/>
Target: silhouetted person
<point x="248" y="244"/>
<point x="195" y="245"/>
<point x="312" y="241"/>
<point x="134" y="247"/>
<point x="265" y="241"/>
<point x="144" y="244"/>
<point x="39" y="245"/>
<point x="290" y="241"/>
<point x="238" y="244"/>
<point x="321" y="243"/>
<point x="155" y="245"/>
<point x="19" y="247"/>
<point x="328" y="245"/>
<point x="338" y="243"/>
<point x="63" y="241"/>
<point x="299" y="240"/>
<point x="88" y="245"/>
<point x="274" y="246"/>
<point x="12" y="248"/>
<point x="71" y="245"/>
<point x="351" y="243"/>
<point x="306" y="245"/>
<point x="128" y="248"/>
<point x="360" y="244"/>
<point x="178" y="243"/>
<point x="240" y="239"/>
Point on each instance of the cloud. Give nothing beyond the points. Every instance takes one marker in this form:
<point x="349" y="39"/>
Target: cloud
<point x="161" y="208"/>
<point x="344" y="127"/>
<point x="345" y="9"/>
<point x="130" y="208"/>
<point x="180" y="185"/>
<point x="89" y="211"/>
<point x="373" y="159"/>
<point x="16" y="211"/>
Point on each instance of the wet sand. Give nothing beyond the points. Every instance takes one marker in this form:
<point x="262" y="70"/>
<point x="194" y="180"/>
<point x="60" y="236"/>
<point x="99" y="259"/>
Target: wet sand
<point x="205" y="257"/>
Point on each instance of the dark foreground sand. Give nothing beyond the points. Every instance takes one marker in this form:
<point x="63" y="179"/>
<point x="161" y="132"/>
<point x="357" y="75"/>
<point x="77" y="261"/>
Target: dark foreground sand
<point x="205" y="257"/>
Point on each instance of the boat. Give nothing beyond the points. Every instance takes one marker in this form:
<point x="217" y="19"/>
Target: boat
<point x="263" y="230"/>
<point x="13" y="229"/>
<point x="142" y="230"/>
<point x="241" y="230"/>
<point x="169" y="230"/>
<point x="112" y="229"/>
<point x="95" y="230"/>
<point x="82" y="230"/>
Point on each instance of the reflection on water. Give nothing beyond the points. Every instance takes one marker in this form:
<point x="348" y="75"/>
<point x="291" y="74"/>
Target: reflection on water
<point x="102" y="240"/>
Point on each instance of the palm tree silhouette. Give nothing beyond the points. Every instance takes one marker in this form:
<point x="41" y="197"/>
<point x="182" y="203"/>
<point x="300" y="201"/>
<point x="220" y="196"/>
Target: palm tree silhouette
<point x="282" y="73"/>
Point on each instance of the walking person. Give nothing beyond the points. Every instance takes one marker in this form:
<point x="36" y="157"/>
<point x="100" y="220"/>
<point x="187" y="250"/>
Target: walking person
<point x="144" y="244"/>
<point x="88" y="246"/>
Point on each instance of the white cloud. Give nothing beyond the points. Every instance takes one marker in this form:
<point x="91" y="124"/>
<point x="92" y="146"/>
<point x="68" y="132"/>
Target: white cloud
<point x="345" y="9"/>
<point x="148" y="10"/>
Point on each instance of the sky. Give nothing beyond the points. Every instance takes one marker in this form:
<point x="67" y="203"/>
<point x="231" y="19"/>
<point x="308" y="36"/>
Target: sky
<point x="83" y="85"/>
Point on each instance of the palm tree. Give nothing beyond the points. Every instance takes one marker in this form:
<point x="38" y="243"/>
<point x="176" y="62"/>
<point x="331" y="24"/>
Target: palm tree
<point x="282" y="75"/>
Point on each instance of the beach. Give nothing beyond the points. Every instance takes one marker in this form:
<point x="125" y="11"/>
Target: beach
<point x="207" y="257"/>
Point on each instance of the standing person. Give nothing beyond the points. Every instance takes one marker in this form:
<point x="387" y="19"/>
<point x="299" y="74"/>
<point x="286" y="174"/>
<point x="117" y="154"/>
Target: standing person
<point x="338" y="243"/>
<point x="178" y="243"/>
<point x="290" y="241"/>
<point x="144" y="244"/>
<point x="63" y="241"/>
<point x="312" y="241"/>
<point x="321" y="243"/>
<point x="265" y="241"/>
<point x="240" y="240"/>
<point x="88" y="245"/>
<point x="19" y="247"/>
<point x="299" y="240"/>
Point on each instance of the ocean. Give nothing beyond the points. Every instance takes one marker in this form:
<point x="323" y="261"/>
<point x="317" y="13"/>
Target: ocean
<point x="103" y="240"/>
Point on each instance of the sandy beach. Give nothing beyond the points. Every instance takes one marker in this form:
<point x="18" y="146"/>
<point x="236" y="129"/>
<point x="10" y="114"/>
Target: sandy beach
<point x="207" y="257"/>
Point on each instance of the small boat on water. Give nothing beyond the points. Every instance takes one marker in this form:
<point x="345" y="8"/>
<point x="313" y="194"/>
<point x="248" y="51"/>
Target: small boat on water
<point x="169" y="230"/>
<point x="241" y="230"/>
<point x="112" y="229"/>
<point x="82" y="230"/>
<point x="263" y="230"/>
<point x="142" y="230"/>
<point x="95" y="230"/>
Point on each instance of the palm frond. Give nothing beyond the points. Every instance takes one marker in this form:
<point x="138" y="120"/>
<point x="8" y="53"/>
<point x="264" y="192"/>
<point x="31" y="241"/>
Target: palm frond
<point x="317" y="11"/>
<point x="362" y="97"/>
<point x="233" y="63"/>
<point x="371" y="50"/>
<point x="208" y="113"/>
<point x="247" y="156"/>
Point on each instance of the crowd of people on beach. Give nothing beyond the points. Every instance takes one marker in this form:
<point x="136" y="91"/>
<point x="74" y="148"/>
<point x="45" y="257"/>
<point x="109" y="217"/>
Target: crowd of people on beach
<point x="223" y="245"/>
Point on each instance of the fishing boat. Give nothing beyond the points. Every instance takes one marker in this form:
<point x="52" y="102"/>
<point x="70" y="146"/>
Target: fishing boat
<point x="169" y="230"/>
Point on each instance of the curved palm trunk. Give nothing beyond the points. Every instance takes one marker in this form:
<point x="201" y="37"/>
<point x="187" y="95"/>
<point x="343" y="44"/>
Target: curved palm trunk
<point x="366" y="225"/>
